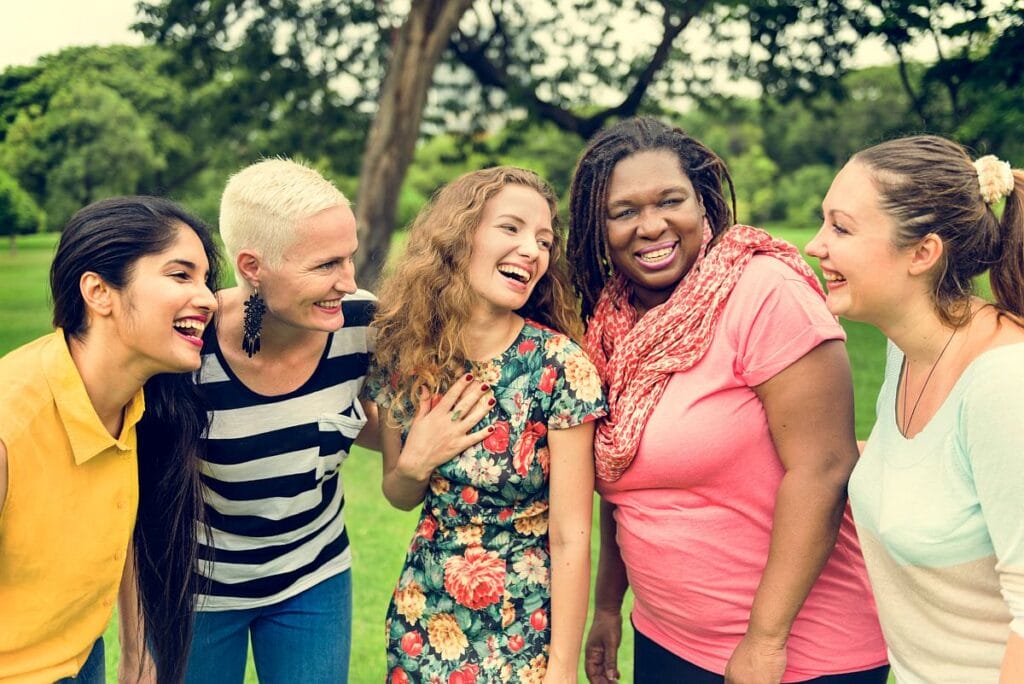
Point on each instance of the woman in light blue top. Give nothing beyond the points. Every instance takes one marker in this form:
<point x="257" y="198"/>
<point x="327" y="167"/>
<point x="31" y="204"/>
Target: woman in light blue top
<point x="938" y="495"/>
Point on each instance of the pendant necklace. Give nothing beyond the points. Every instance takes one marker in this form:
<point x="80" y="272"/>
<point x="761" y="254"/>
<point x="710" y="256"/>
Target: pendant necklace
<point x="906" y="390"/>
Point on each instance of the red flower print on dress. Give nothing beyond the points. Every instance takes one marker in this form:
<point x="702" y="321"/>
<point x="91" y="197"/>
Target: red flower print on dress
<point x="539" y="619"/>
<point x="523" y="458"/>
<point x="398" y="676"/>
<point x="470" y="495"/>
<point x="544" y="458"/>
<point x="504" y="514"/>
<point x="516" y="643"/>
<point x="412" y="643"/>
<point x="476" y="579"/>
<point x="427" y="528"/>
<point x="526" y="346"/>
<point x="547" y="379"/>
<point x="497" y="441"/>
<point x="465" y="674"/>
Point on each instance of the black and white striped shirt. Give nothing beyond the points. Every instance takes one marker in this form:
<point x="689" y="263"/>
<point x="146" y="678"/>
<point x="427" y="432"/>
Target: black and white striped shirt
<point x="274" y="494"/>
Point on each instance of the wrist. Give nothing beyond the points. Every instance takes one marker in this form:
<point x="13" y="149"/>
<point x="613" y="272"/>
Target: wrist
<point x="767" y="636"/>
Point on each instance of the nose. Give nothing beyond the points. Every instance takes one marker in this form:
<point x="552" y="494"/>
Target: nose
<point x="206" y="300"/>
<point x="528" y="246"/>
<point x="816" y="247"/>
<point x="650" y="223"/>
<point x="347" y="278"/>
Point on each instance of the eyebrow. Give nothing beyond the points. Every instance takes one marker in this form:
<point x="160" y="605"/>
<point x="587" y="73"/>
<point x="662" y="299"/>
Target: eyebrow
<point x="833" y="212"/>
<point x="662" y="193"/>
<point x="511" y="216"/>
<point x="182" y="262"/>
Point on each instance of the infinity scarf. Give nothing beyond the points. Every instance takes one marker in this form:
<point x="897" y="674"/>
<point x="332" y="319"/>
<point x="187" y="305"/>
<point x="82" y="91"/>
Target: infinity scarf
<point x="636" y="358"/>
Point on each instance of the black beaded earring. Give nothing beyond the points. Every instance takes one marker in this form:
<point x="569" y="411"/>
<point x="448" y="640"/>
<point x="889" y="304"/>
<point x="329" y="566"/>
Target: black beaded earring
<point x="252" y="322"/>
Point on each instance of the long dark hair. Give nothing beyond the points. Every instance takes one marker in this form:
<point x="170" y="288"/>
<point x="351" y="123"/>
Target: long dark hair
<point x="588" y="195"/>
<point x="929" y="184"/>
<point x="107" y="238"/>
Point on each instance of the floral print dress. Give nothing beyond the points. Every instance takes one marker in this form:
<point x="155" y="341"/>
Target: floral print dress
<point x="473" y="600"/>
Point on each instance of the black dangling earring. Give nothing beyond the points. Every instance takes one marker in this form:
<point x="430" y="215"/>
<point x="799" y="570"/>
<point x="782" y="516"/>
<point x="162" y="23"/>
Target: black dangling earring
<point x="252" y="323"/>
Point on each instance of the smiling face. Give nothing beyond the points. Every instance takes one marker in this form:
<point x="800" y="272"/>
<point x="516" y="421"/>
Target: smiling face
<point x="165" y="306"/>
<point x="655" y="223"/>
<point x="865" y="273"/>
<point x="511" y="248"/>
<point x="316" y="272"/>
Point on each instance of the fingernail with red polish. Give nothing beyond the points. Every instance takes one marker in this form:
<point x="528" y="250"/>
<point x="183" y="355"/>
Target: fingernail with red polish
<point x="484" y="387"/>
<point x="490" y="402"/>
<point x="469" y="376"/>
<point x="490" y="428"/>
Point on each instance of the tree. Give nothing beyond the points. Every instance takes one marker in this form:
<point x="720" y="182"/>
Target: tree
<point x="568" y="62"/>
<point x="19" y="214"/>
<point x="88" y="144"/>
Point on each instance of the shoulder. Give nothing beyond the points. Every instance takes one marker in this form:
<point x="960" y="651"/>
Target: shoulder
<point x="553" y="344"/>
<point x="997" y="375"/>
<point x="359" y="308"/>
<point x="25" y="389"/>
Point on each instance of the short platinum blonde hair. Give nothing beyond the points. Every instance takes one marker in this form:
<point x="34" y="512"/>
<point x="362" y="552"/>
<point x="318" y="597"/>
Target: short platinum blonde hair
<point x="263" y="202"/>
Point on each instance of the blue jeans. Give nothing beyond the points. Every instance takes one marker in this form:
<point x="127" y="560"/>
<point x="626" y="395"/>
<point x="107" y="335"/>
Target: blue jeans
<point x="93" y="671"/>
<point x="302" y="639"/>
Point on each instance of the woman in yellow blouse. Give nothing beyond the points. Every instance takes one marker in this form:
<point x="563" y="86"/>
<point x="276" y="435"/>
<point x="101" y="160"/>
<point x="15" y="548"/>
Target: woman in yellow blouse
<point x="131" y="290"/>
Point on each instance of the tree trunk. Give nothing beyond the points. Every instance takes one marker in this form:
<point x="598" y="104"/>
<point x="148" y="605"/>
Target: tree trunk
<point x="415" y="51"/>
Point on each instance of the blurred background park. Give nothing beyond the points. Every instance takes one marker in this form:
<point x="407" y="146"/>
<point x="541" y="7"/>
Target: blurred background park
<point x="393" y="98"/>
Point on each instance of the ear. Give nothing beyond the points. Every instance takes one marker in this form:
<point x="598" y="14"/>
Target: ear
<point x="249" y="265"/>
<point x="97" y="294"/>
<point x="926" y="254"/>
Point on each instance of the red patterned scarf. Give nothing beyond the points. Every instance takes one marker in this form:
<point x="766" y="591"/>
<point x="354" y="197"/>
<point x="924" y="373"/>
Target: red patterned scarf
<point x="636" y="358"/>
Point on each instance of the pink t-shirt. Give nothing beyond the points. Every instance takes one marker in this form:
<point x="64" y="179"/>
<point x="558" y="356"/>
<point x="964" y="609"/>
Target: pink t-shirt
<point x="694" y="510"/>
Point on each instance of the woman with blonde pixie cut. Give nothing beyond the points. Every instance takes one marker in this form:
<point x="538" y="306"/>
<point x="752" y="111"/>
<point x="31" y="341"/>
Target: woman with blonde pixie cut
<point x="489" y="416"/>
<point x="282" y="371"/>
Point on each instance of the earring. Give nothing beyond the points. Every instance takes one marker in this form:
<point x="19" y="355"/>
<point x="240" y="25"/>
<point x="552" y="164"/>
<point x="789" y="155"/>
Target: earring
<point x="252" y="322"/>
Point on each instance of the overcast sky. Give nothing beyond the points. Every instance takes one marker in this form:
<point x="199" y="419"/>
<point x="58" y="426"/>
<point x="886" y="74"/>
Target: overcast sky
<point x="31" y="28"/>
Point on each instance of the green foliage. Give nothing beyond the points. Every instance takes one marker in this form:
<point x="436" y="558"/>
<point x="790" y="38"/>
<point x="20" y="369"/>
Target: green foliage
<point x="19" y="213"/>
<point x="798" y="195"/>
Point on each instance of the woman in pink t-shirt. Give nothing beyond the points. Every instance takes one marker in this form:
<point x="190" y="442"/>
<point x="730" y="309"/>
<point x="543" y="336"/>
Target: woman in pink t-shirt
<point x="724" y="459"/>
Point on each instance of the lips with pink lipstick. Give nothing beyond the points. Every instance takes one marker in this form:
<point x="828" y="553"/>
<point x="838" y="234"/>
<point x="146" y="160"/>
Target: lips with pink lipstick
<point x="330" y="306"/>
<point x="190" y="328"/>
<point x="657" y="257"/>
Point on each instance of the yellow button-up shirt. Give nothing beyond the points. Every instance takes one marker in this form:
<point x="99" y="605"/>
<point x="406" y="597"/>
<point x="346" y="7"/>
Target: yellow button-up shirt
<point x="72" y="495"/>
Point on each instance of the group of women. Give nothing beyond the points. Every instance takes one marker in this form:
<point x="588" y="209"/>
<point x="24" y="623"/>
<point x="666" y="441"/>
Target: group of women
<point x="704" y="390"/>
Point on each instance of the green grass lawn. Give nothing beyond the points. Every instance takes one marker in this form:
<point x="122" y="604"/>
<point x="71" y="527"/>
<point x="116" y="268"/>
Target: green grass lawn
<point x="379" y="534"/>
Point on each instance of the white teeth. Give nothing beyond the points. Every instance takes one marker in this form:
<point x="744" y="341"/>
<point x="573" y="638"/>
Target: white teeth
<point x="834" y="277"/>
<point x="657" y="254"/>
<point x="191" y="324"/>
<point x="329" y="303"/>
<point x="519" y="273"/>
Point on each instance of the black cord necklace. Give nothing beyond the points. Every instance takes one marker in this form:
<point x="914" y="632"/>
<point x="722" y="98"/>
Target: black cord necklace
<point x="906" y="374"/>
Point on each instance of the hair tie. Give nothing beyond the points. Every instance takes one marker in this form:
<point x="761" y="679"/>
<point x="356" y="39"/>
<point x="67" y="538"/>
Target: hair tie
<point x="995" y="178"/>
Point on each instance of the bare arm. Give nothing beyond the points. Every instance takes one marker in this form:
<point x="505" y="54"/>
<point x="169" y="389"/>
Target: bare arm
<point x="1013" y="661"/>
<point x="572" y="500"/>
<point x="809" y="407"/>
<point x="369" y="436"/>
<point x="602" y="650"/>
<point x="3" y="476"/>
<point x="135" y="664"/>
<point x="437" y="434"/>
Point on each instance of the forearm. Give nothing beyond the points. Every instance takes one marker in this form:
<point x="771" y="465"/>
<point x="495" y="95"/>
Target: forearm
<point x="1013" y="661"/>
<point x="403" y="490"/>
<point x="134" y="665"/>
<point x="808" y="512"/>
<point x="570" y="589"/>
<point x="612" y="582"/>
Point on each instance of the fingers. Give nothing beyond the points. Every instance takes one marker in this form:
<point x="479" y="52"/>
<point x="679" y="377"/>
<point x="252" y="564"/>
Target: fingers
<point x="474" y="403"/>
<point x="454" y="393"/>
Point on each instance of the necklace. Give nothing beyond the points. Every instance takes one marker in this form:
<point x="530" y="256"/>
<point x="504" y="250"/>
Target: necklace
<point x="906" y="375"/>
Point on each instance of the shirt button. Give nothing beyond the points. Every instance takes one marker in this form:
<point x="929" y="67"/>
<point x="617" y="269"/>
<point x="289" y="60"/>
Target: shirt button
<point x="107" y="602"/>
<point x="118" y="555"/>
<point x="121" y="504"/>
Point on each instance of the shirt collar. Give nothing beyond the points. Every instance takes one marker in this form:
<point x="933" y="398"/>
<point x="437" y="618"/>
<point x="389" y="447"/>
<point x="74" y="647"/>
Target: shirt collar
<point x="85" y="431"/>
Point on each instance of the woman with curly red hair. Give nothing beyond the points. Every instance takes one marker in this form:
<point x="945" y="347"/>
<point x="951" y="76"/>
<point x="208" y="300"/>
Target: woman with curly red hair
<point x="487" y="419"/>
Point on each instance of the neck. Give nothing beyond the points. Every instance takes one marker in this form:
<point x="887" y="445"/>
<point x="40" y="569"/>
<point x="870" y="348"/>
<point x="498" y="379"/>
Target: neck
<point x="918" y="331"/>
<point x="110" y="377"/>
<point x="489" y="333"/>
